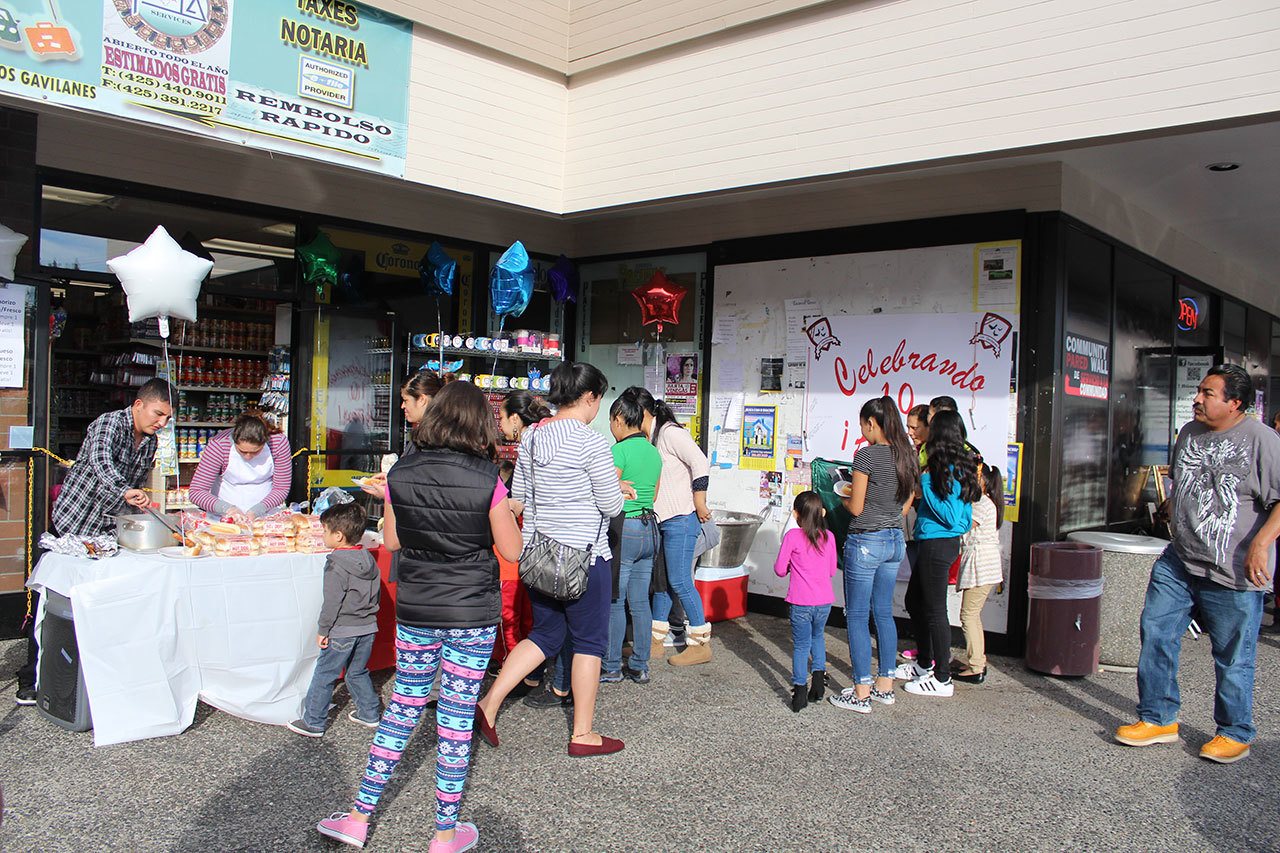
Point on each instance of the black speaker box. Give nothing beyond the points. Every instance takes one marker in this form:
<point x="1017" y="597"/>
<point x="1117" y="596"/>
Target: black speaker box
<point x="61" y="694"/>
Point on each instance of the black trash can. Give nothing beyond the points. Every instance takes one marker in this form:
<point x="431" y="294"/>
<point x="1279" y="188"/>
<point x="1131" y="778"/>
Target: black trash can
<point x="1065" y="592"/>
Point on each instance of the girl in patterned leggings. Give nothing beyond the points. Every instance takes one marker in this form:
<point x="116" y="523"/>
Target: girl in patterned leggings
<point x="446" y="511"/>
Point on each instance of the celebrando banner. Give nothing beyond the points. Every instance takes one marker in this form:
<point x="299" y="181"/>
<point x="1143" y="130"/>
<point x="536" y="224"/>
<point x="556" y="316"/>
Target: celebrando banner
<point x="316" y="78"/>
<point x="911" y="358"/>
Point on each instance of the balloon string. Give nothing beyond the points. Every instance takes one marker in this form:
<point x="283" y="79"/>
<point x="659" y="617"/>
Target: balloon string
<point x="501" y="323"/>
<point x="440" y="336"/>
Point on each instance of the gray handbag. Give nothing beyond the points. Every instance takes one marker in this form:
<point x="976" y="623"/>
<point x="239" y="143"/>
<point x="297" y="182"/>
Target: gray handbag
<point x="554" y="569"/>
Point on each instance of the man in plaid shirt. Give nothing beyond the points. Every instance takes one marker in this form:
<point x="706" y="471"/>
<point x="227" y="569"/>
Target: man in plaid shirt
<point x="118" y="451"/>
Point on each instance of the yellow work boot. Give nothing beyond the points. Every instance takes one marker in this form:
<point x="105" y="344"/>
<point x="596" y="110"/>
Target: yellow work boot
<point x="658" y="635"/>
<point x="1224" y="750"/>
<point x="697" y="647"/>
<point x="1143" y="733"/>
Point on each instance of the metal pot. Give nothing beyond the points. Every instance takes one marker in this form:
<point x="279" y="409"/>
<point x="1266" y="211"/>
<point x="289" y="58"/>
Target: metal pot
<point x="142" y="532"/>
<point x="737" y="532"/>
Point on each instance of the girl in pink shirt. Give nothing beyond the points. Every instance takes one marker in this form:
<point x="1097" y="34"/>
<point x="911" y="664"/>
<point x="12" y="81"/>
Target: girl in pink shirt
<point x="808" y="554"/>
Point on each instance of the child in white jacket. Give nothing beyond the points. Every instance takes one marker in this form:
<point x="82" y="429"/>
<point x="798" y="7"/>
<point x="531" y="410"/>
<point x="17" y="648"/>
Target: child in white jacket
<point x="981" y="570"/>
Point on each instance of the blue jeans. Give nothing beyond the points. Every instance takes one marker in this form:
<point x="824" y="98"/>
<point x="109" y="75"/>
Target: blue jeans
<point x="351" y="653"/>
<point x="1230" y="617"/>
<point x="639" y="545"/>
<point x="679" y="538"/>
<point x="871" y="562"/>
<point x="808" y="622"/>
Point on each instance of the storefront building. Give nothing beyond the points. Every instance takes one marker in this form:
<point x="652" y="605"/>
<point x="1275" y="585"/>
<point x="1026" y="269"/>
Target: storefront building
<point x="1016" y="196"/>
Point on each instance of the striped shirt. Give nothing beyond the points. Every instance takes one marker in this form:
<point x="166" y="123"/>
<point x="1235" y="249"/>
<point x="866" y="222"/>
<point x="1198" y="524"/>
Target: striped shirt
<point x="881" y="510"/>
<point x="980" y="562"/>
<point x="573" y="491"/>
<point x="207" y="479"/>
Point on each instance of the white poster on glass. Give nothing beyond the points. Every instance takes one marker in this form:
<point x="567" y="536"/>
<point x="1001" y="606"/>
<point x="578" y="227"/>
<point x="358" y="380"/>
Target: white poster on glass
<point x="13" y="347"/>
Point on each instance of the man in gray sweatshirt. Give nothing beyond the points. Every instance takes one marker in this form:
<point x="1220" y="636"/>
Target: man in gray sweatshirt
<point x="347" y="625"/>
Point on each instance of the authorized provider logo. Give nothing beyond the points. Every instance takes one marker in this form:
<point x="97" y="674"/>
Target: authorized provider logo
<point x="176" y="26"/>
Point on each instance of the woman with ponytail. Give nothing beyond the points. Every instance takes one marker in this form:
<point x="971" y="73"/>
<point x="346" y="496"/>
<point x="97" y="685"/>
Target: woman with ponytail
<point x="884" y="483"/>
<point x="681" y="508"/>
<point x="948" y="489"/>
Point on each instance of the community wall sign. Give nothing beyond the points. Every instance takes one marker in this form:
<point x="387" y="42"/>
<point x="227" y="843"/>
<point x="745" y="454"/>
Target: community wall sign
<point x="317" y="78"/>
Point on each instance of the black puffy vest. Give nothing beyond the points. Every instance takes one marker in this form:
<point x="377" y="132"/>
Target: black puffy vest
<point x="448" y="573"/>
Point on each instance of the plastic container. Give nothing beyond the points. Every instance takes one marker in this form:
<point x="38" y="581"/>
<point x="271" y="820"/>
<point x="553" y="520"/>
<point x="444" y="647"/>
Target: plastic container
<point x="1065" y="592"/>
<point x="1126" y="569"/>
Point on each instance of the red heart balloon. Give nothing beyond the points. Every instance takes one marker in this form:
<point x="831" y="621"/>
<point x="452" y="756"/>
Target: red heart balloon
<point x="660" y="300"/>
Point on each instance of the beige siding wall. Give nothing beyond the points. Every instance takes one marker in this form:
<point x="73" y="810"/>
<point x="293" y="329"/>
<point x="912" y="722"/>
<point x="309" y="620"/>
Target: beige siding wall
<point x="848" y="88"/>
<point x="482" y="125"/>
<point x="535" y="31"/>
<point x="1095" y="205"/>
<point x="604" y="31"/>
<point x="190" y="163"/>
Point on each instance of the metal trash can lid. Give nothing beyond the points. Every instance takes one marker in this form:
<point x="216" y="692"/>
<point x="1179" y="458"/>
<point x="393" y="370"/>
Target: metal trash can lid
<point x="1124" y="543"/>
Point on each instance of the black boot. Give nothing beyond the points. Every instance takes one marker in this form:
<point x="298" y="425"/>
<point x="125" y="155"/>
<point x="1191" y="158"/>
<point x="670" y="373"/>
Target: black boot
<point x="799" y="697"/>
<point x="817" y="685"/>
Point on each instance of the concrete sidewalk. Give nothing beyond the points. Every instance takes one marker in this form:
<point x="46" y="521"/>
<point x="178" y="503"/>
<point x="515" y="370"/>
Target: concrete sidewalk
<point x="715" y="760"/>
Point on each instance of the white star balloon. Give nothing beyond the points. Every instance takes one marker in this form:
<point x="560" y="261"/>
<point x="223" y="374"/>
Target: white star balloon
<point x="11" y="243"/>
<point x="160" y="278"/>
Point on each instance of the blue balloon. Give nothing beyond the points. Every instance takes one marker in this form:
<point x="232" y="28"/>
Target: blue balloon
<point x="438" y="271"/>
<point x="511" y="282"/>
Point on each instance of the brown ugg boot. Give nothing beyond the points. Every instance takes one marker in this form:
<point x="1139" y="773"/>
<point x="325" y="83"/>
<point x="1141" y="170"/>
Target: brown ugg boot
<point x="698" y="647"/>
<point x="659" y="633"/>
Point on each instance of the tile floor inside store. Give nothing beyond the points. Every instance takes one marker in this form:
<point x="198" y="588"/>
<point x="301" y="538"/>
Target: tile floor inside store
<point x="715" y="760"/>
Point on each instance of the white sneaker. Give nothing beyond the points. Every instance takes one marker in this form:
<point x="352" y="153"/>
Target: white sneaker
<point x="848" y="700"/>
<point x="910" y="671"/>
<point x="930" y="686"/>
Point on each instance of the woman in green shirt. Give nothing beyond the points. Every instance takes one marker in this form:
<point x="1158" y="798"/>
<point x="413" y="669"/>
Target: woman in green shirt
<point x="639" y="465"/>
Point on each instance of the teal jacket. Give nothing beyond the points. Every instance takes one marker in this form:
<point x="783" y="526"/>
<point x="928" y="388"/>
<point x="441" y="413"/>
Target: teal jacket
<point x="941" y="518"/>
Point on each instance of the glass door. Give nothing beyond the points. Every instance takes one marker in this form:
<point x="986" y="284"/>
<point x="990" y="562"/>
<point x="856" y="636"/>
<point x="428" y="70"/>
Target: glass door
<point x="24" y="502"/>
<point x="611" y="336"/>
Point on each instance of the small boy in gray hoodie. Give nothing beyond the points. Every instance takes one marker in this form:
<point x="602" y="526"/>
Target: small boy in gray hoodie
<point x="347" y="625"/>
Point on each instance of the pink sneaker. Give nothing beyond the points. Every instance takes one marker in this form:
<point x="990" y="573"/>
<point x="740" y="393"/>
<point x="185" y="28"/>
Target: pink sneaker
<point x="341" y="826"/>
<point x="907" y="655"/>
<point x="465" y="837"/>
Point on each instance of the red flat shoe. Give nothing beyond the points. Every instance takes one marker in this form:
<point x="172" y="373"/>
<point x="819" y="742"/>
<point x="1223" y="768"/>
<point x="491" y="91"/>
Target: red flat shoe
<point x="486" y="729"/>
<point x="607" y="746"/>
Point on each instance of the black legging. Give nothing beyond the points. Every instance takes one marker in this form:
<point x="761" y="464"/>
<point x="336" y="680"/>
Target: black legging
<point x="927" y="603"/>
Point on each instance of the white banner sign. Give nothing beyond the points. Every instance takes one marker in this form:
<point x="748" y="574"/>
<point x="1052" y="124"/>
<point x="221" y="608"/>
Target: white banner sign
<point x="911" y="358"/>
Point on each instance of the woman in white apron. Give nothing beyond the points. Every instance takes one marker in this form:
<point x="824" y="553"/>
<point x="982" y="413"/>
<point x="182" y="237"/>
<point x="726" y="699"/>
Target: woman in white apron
<point x="245" y="471"/>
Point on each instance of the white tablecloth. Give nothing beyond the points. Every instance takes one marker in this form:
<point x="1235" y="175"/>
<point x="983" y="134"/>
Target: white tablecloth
<point x="156" y="634"/>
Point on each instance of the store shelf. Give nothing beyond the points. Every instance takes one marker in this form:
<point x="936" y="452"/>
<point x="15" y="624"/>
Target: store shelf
<point x="487" y="354"/>
<point x="57" y="386"/>
<point x="184" y="461"/>
<point x="265" y="315"/>
<point x="76" y="417"/>
<point x="77" y="352"/>
<point x="219" y="390"/>
<point x="216" y="424"/>
<point x="174" y="345"/>
<point x="378" y="351"/>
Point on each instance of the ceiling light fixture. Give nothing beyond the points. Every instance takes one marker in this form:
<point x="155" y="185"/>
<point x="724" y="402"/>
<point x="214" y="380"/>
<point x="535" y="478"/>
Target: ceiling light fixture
<point x="240" y="247"/>
<point x="1222" y="167"/>
<point x="72" y="196"/>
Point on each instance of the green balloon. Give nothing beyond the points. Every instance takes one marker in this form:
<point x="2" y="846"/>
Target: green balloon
<point x="319" y="260"/>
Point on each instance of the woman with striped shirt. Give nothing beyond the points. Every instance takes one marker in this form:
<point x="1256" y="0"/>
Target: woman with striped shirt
<point x="566" y="484"/>
<point x="243" y="471"/>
